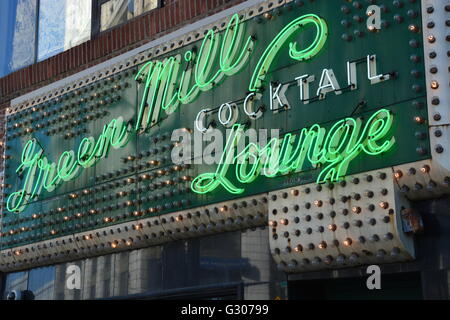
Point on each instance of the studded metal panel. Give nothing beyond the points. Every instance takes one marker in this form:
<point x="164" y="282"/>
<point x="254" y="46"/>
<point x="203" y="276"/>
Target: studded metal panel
<point x="221" y="217"/>
<point x="356" y="222"/>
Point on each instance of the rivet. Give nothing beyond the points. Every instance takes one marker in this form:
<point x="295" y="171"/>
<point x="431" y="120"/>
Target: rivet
<point x="439" y="149"/>
<point x="398" y="3"/>
<point x="422" y="151"/>
<point x="417" y="88"/>
<point x="435" y="101"/>
<point x="415" y="58"/>
<point x="398" y="18"/>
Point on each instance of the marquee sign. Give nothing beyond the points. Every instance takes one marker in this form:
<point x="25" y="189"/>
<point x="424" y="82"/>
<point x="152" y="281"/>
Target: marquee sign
<point x="347" y="97"/>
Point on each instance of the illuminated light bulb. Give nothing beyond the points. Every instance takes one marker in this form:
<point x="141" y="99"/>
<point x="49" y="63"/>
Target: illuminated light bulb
<point x="17" y="252"/>
<point x="114" y="244"/>
<point x="130" y="158"/>
<point x="79" y="215"/>
<point x="318" y="203"/>
<point x="86" y="192"/>
<point x="138" y="226"/>
<point x="23" y="229"/>
<point x="284" y="222"/>
<point x="179" y="218"/>
<point x="268" y="16"/>
<point x="122" y="193"/>
<point x="370" y="13"/>
<point x="186" y="178"/>
<point x="224" y="209"/>
<point x="425" y="169"/>
<point x="413" y="28"/>
<point x="161" y="172"/>
<point x="169" y="182"/>
<point x="356" y="210"/>
<point x="298" y="248"/>
<point x="130" y="180"/>
<point x="177" y="168"/>
<point x="73" y="196"/>
<point x="66" y="218"/>
<point x="332" y="227"/>
<point x="419" y="119"/>
<point x="273" y="223"/>
<point x="60" y="210"/>
<point x="145" y="177"/>
<point x="107" y="219"/>
<point x="347" y="242"/>
<point x="371" y="28"/>
<point x="11" y="232"/>
<point x="434" y="84"/>
<point x="129" y="203"/>
<point x="398" y="174"/>
<point x="431" y="38"/>
<point x="87" y="237"/>
<point x="384" y="205"/>
<point x="35" y="216"/>
<point x="137" y="213"/>
<point x="92" y="211"/>
<point x="28" y="130"/>
<point x="322" y="245"/>
<point x="53" y="232"/>
<point x="129" y="242"/>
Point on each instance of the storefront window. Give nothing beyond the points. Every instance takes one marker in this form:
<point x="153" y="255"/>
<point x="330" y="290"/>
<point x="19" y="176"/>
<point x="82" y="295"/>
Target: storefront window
<point x="42" y="283"/>
<point x="16" y="282"/>
<point x="115" y="12"/>
<point x="63" y="24"/>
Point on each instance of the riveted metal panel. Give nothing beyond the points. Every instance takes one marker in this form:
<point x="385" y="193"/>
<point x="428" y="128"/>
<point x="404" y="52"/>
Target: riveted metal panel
<point x="359" y="222"/>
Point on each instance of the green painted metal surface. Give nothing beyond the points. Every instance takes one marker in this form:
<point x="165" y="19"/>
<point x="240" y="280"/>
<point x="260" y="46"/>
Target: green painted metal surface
<point x="113" y="191"/>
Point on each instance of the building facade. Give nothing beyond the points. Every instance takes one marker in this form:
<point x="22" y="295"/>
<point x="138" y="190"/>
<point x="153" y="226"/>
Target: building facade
<point x="172" y="149"/>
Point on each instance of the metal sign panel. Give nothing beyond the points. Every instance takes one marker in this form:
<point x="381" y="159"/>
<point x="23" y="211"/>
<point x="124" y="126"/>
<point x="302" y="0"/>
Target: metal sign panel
<point x="349" y="76"/>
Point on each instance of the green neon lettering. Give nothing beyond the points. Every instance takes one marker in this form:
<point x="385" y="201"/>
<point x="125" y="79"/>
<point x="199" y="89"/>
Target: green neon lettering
<point x="228" y="53"/>
<point x="331" y="152"/>
<point x="208" y="182"/>
<point x="266" y="60"/>
<point x="40" y="174"/>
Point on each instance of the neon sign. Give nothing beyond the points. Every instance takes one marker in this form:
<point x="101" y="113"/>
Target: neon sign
<point x="41" y="175"/>
<point x="179" y="80"/>
<point x="332" y="151"/>
<point x="165" y="89"/>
